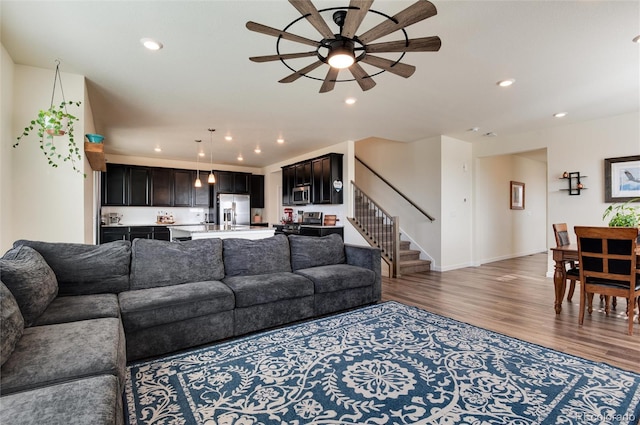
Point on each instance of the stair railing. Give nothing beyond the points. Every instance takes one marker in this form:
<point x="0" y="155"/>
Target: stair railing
<point x="378" y="226"/>
<point x="395" y="189"/>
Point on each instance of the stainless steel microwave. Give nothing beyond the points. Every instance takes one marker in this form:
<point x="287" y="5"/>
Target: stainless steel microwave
<point x="301" y="195"/>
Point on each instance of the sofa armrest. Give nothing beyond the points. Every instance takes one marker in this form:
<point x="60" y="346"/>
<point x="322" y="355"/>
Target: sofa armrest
<point x="369" y="258"/>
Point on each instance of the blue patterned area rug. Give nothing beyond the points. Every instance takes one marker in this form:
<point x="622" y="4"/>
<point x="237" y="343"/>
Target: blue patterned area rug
<point x="383" y="364"/>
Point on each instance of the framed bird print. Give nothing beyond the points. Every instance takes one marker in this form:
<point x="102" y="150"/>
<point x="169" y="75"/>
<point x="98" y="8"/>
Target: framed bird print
<point x="517" y="195"/>
<point x="622" y="179"/>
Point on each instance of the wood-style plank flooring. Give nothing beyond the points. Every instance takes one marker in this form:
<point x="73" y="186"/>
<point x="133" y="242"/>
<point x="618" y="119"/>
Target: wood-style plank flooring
<point x="514" y="297"/>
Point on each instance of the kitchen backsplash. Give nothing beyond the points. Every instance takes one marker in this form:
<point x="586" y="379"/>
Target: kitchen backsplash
<point x="133" y="216"/>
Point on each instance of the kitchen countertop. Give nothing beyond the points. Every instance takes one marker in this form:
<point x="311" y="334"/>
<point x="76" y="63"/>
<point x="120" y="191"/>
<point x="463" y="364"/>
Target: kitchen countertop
<point x="212" y="228"/>
<point x="149" y="224"/>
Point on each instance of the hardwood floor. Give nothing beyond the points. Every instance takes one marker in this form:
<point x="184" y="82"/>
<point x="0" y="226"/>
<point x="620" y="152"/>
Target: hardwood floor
<point x="515" y="298"/>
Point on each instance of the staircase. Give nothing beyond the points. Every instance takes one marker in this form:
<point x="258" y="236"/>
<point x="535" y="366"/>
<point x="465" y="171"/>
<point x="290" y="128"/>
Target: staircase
<point x="382" y="230"/>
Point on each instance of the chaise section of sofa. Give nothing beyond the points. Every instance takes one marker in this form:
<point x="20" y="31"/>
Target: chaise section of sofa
<point x="267" y="293"/>
<point x="343" y="276"/>
<point x="176" y="299"/>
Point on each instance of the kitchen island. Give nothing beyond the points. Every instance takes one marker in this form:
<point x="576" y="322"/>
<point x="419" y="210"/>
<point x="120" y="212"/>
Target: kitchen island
<point x="203" y="231"/>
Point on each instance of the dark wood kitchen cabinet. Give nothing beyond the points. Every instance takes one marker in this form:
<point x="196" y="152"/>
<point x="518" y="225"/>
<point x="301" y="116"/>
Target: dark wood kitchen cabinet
<point x="161" y="187"/>
<point x="232" y="182"/>
<point x="288" y="177"/>
<point x="202" y="195"/>
<point x="110" y="234"/>
<point x="303" y="173"/>
<point x="326" y="171"/>
<point x="115" y="185"/>
<point x="257" y="191"/>
<point x="140" y="232"/>
<point x="139" y="186"/>
<point x="183" y="188"/>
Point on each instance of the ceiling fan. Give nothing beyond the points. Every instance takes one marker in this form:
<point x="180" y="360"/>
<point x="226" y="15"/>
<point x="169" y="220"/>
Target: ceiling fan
<point x="345" y="49"/>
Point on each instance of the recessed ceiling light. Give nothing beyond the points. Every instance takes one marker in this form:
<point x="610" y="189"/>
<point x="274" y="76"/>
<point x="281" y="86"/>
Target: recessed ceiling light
<point x="228" y="138"/>
<point x="281" y="141"/>
<point x="506" y="83"/>
<point x="350" y="100"/>
<point x="490" y="134"/>
<point x="474" y="129"/>
<point x="157" y="149"/>
<point x="240" y="158"/>
<point x="560" y="114"/>
<point x="151" y="44"/>
<point x="636" y="39"/>
<point x="257" y="149"/>
<point x="200" y="153"/>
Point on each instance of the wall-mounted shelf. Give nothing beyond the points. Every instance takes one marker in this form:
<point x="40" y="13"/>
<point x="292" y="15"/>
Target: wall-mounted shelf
<point x="574" y="182"/>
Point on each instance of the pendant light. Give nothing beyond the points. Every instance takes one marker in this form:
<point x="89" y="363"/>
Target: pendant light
<point x="198" y="183"/>
<point x="212" y="178"/>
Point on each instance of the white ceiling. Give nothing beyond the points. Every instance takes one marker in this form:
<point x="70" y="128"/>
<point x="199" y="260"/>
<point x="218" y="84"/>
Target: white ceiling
<point x="573" y="56"/>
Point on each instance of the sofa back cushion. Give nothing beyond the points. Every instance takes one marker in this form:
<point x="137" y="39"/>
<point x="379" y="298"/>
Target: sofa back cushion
<point x="245" y="257"/>
<point x="312" y="251"/>
<point x="83" y="269"/>
<point x="161" y="263"/>
<point x="11" y="323"/>
<point x="30" y="280"/>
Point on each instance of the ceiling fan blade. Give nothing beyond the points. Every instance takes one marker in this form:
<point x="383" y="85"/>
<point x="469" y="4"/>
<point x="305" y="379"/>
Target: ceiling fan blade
<point x="417" y="12"/>
<point x="293" y="77"/>
<point x="263" y="29"/>
<point x="270" y="58"/>
<point x="361" y="76"/>
<point x="309" y="11"/>
<point x="401" y="69"/>
<point x="424" y="44"/>
<point x="355" y="16"/>
<point x="329" y="80"/>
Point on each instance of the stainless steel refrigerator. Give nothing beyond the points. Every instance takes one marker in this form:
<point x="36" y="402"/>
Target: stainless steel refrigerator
<point x="234" y="209"/>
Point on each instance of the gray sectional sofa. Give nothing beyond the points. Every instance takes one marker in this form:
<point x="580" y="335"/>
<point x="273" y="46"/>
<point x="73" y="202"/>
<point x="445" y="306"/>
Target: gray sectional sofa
<point x="74" y="314"/>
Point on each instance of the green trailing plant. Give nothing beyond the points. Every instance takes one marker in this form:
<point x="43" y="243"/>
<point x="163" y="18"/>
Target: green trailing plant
<point x="50" y="123"/>
<point x="623" y="215"/>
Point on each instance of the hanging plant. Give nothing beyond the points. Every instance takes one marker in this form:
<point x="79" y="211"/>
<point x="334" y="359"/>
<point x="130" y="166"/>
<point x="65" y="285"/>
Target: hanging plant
<point x="53" y="122"/>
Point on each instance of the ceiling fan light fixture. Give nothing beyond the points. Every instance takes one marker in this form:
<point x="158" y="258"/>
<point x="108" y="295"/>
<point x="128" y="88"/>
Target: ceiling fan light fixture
<point x="341" y="54"/>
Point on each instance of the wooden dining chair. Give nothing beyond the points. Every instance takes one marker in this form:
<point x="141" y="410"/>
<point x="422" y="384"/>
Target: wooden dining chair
<point x="607" y="257"/>
<point x="572" y="273"/>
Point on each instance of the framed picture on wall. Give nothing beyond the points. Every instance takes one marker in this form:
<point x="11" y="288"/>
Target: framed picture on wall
<point x="622" y="178"/>
<point x="517" y="195"/>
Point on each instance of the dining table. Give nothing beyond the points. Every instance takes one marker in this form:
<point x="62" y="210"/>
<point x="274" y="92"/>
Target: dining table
<point x="561" y="256"/>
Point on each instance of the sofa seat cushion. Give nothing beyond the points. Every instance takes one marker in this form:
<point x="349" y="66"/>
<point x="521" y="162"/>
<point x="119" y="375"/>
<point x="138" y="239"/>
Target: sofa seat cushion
<point x="338" y="277"/>
<point x="312" y="251"/>
<point x="145" y="308"/>
<point x="94" y="401"/>
<point x="162" y="263"/>
<point x="51" y="354"/>
<point x="80" y="307"/>
<point x="11" y="323"/>
<point x="86" y="269"/>
<point x="245" y="257"/>
<point x="30" y="280"/>
<point x="267" y="288"/>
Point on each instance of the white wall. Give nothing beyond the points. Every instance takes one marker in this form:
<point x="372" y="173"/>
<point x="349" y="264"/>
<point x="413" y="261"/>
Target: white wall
<point x="47" y="203"/>
<point x="6" y="165"/>
<point x="457" y="204"/>
<point x="501" y="232"/>
<point x="575" y="147"/>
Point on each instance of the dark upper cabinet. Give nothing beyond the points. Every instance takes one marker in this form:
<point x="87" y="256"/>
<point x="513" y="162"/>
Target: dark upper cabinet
<point x="303" y="173"/>
<point x="325" y="171"/>
<point x="288" y="176"/>
<point x="183" y="189"/>
<point x="202" y="195"/>
<point x="115" y="185"/>
<point x="162" y="187"/>
<point x="139" y="186"/>
<point x="257" y="191"/>
<point x="232" y="182"/>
